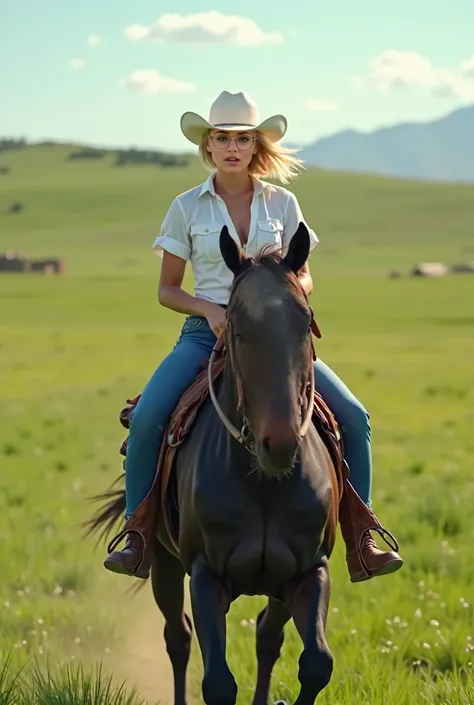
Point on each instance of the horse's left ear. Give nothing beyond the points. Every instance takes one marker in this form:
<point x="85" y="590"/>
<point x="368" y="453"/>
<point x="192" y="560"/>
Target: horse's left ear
<point x="298" y="249"/>
<point x="231" y="252"/>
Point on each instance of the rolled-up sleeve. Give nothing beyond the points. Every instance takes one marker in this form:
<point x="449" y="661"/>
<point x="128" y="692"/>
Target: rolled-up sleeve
<point x="174" y="234"/>
<point x="293" y="217"/>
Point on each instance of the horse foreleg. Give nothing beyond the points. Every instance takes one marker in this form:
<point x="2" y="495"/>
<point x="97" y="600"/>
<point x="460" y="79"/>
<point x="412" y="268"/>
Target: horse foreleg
<point x="167" y="577"/>
<point x="308" y="604"/>
<point x="270" y="623"/>
<point x="210" y="603"/>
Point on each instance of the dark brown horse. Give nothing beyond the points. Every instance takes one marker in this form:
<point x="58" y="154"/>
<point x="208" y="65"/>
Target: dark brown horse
<point x="256" y="517"/>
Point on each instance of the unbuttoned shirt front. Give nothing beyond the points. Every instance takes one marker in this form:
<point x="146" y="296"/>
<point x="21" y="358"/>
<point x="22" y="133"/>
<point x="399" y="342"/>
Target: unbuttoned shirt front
<point x="192" y="226"/>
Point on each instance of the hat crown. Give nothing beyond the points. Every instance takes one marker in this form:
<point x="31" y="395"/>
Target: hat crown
<point x="234" y="109"/>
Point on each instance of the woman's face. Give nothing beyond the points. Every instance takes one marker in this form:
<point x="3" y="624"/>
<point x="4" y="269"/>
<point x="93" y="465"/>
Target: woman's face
<point x="232" y="151"/>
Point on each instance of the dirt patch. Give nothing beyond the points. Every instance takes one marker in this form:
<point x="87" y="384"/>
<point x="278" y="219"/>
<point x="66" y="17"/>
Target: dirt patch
<point x="142" y="659"/>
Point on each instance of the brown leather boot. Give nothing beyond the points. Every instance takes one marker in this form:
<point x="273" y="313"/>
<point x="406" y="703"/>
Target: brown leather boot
<point x="130" y="560"/>
<point x="140" y="528"/>
<point x="364" y="559"/>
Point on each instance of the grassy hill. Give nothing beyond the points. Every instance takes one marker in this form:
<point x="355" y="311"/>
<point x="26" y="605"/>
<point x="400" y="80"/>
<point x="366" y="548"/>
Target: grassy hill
<point x="395" y="222"/>
<point x="73" y="348"/>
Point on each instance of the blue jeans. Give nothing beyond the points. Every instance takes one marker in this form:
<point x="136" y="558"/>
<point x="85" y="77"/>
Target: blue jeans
<point x="177" y="372"/>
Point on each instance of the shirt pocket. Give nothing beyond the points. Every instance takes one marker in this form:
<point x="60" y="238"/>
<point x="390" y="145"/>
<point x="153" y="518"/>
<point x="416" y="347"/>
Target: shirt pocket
<point x="206" y="236"/>
<point x="269" y="233"/>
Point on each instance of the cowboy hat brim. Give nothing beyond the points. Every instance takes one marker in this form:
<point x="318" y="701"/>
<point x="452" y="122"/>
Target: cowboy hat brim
<point x="193" y="127"/>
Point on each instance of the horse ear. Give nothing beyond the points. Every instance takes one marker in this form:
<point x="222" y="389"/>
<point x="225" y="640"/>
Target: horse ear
<point x="231" y="252"/>
<point x="298" y="249"/>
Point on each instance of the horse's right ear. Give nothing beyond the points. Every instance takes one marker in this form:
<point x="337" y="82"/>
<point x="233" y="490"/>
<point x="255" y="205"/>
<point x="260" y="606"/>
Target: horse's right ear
<point x="298" y="249"/>
<point x="231" y="252"/>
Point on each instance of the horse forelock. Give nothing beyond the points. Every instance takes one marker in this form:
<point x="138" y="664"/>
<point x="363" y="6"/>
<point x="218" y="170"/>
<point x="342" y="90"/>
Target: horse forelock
<point x="264" y="284"/>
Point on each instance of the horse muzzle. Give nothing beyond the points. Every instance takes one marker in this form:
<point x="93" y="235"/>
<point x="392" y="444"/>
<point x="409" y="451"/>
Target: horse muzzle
<point x="276" y="449"/>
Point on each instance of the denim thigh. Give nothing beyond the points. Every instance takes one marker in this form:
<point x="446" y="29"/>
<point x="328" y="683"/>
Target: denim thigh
<point x="173" y="376"/>
<point x="346" y="407"/>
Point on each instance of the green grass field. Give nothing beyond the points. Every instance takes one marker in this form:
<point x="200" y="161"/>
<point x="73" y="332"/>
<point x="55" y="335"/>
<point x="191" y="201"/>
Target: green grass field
<point x="73" y="348"/>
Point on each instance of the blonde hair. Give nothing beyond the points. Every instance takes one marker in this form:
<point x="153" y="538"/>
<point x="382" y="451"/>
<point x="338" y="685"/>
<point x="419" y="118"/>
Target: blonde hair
<point x="271" y="161"/>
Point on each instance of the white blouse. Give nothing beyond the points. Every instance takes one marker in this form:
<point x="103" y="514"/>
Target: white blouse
<point x="192" y="226"/>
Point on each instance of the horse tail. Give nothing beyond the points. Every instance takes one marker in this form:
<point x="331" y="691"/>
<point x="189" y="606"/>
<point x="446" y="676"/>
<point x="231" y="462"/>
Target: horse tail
<point x="109" y="514"/>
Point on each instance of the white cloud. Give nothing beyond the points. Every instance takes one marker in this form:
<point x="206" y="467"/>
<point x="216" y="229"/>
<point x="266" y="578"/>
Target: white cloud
<point x="467" y="67"/>
<point x="77" y="64"/>
<point x="395" y="69"/>
<point x="398" y="68"/>
<point x="93" y="40"/>
<point x="151" y="81"/>
<point x="320" y="105"/>
<point x="451" y="84"/>
<point x="204" y="28"/>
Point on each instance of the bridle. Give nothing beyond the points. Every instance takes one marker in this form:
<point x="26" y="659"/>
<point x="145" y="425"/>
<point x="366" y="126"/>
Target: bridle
<point x="243" y="436"/>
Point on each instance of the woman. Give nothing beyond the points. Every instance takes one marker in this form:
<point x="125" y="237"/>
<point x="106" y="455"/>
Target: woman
<point x="238" y="148"/>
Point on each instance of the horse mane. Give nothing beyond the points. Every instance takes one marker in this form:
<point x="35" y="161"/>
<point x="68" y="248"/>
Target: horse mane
<point x="273" y="261"/>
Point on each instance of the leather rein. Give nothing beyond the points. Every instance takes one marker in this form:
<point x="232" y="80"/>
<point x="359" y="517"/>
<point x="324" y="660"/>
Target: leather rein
<point x="244" y="434"/>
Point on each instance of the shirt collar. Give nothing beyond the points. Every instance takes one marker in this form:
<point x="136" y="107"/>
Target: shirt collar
<point x="208" y="186"/>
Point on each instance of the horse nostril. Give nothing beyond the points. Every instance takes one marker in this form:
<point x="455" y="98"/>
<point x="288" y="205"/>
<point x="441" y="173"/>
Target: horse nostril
<point x="280" y="443"/>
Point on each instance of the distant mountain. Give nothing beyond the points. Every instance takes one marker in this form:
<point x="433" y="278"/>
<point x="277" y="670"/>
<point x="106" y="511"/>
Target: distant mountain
<point x="442" y="150"/>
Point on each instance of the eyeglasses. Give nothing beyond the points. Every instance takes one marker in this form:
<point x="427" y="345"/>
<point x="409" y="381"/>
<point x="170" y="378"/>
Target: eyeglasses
<point x="223" y="141"/>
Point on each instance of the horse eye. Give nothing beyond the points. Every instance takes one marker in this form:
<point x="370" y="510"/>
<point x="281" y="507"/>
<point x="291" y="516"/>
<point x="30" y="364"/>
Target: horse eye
<point x="238" y="338"/>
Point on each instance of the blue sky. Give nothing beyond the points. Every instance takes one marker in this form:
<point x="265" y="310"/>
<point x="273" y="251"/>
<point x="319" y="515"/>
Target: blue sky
<point x="327" y="66"/>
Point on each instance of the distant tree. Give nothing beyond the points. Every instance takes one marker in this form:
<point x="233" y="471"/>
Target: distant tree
<point x="9" y="145"/>
<point x="86" y="153"/>
<point x="138" y="156"/>
<point x="4" y="169"/>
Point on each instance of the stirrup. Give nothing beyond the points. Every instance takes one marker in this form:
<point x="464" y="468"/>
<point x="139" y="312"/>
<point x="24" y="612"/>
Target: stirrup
<point x="385" y="535"/>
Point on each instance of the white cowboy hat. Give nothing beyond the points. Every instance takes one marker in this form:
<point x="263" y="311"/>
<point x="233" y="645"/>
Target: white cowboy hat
<point x="232" y="111"/>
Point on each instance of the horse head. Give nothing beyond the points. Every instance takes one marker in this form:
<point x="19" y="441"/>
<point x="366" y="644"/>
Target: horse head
<point x="268" y="338"/>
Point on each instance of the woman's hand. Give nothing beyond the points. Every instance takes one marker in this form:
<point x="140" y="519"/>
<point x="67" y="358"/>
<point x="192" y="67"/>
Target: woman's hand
<point x="216" y="318"/>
